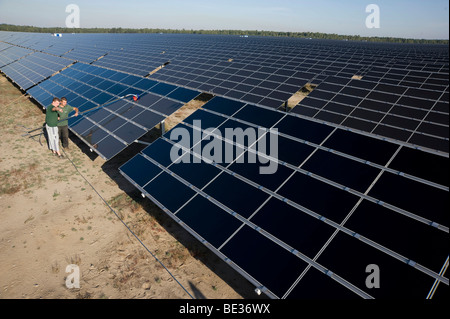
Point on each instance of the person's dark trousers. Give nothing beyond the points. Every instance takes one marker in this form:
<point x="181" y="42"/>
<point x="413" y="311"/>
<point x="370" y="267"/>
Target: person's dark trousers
<point x="64" y="135"/>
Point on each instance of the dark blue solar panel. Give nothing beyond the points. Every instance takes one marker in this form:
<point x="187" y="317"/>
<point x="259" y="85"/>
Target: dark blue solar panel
<point x="348" y="256"/>
<point x="211" y="222"/>
<point x="297" y="229"/>
<point x="322" y="198"/>
<point x="162" y="88"/>
<point x="258" y="116"/>
<point x="148" y="99"/>
<point x="145" y="84"/>
<point x="164" y="186"/>
<point x="292" y="152"/>
<point x="412" y="161"/>
<point x="420" y="199"/>
<point x="233" y="193"/>
<point x="183" y="94"/>
<point x="198" y="175"/>
<point x="133" y="169"/>
<point x="94" y="135"/>
<point x="166" y="106"/>
<point x="252" y="171"/>
<point x="204" y="120"/>
<point x="109" y="147"/>
<point x="419" y="242"/>
<point x="347" y="172"/>
<point x="160" y="151"/>
<point x="261" y="257"/>
<point x="304" y="129"/>
<point x="129" y="132"/>
<point x="148" y="119"/>
<point x="223" y="106"/>
<point x="311" y="288"/>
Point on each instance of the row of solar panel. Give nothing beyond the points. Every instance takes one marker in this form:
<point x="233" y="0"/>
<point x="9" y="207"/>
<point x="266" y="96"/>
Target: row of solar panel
<point x="108" y="130"/>
<point x="33" y="68"/>
<point x="289" y="45"/>
<point x="85" y="55"/>
<point x="140" y="65"/>
<point x="287" y="217"/>
<point x="353" y="111"/>
<point x="280" y="59"/>
<point x="272" y="90"/>
<point x="244" y="80"/>
<point x="356" y="91"/>
<point x="12" y="54"/>
<point x="171" y="78"/>
<point x="414" y="115"/>
<point x="127" y="65"/>
<point x="333" y="115"/>
<point x="284" y="51"/>
<point x="99" y="85"/>
<point x="283" y="62"/>
<point x="4" y="46"/>
<point x="214" y="83"/>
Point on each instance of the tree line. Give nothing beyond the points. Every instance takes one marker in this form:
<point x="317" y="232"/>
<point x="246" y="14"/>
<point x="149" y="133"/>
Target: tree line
<point x="313" y="35"/>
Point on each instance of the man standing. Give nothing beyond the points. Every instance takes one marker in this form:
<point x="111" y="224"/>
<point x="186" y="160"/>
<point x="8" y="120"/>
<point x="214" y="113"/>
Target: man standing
<point x="51" y="125"/>
<point x="63" y="124"/>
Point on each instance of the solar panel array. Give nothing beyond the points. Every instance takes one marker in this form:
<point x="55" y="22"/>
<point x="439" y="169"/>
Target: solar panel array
<point x="403" y="110"/>
<point x="403" y="94"/>
<point x="361" y="163"/>
<point x="11" y="53"/>
<point x="110" y="129"/>
<point x="339" y="201"/>
<point x="33" y="68"/>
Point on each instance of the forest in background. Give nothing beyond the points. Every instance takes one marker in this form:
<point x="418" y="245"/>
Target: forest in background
<point x="307" y="35"/>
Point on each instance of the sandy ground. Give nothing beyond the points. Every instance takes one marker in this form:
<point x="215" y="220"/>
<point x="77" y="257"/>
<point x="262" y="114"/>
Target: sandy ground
<point x="51" y="218"/>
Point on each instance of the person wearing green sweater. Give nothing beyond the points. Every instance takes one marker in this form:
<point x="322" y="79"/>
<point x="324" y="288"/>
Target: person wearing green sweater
<point x="63" y="124"/>
<point x="51" y="125"/>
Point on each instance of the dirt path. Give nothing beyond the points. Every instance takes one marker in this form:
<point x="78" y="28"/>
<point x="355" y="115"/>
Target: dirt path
<point x="51" y="218"/>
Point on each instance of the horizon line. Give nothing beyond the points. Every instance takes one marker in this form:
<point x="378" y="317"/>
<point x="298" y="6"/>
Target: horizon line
<point x="222" y="30"/>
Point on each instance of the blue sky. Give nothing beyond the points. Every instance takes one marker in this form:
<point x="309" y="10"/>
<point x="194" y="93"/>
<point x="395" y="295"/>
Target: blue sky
<point x="398" y="18"/>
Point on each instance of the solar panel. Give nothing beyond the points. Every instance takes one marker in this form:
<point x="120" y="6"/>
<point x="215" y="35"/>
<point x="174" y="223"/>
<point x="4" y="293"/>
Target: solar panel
<point x="358" y="170"/>
<point x="334" y="194"/>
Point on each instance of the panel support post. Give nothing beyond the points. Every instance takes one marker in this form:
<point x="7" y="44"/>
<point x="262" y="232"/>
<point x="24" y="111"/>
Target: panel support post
<point x="163" y="127"/>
